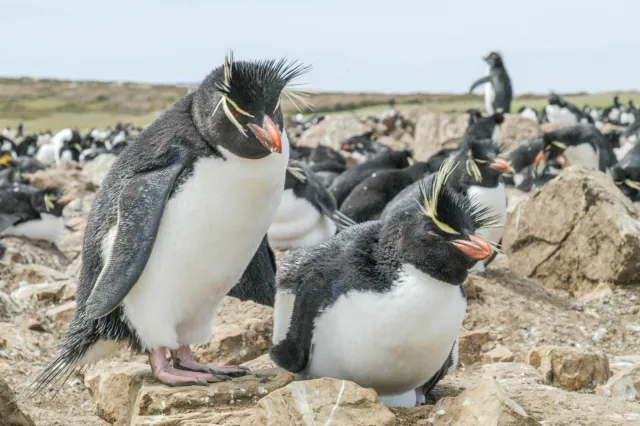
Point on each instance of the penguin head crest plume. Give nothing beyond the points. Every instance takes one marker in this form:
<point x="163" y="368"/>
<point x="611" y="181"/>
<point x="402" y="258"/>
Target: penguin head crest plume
<point x="451" y="211"/>
<point x="256" y="87"/>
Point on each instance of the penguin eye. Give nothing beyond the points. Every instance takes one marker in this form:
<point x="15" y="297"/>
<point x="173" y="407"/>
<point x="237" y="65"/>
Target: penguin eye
<point x="235" y="114"/>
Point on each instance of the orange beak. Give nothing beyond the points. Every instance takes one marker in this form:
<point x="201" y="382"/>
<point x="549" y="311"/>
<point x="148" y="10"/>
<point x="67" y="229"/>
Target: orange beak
<point x="501" y="166"/>
<point x="65" y="200"/>
<point x="477" y="248"/>
<point x="268" y="134"/>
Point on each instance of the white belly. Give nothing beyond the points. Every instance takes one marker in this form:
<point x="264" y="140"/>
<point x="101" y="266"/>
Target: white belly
<point x="392" y="342"/>
<point x="489" y="97"/>
<point x="529" y="114"/>
<point x="47" y="154"/>
<point x="49" y="228"/>
<point x="583" y="155"/>
<point x="561" y="116"/>
<point x="496" y="198"/>
<point x="208" y="234"/>
<point x="298" y="224"/>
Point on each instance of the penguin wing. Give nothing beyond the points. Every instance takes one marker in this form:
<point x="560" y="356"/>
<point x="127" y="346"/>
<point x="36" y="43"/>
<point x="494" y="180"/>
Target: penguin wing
<point x="8" y="220"/>
<point x="479" y="81"/>
<point x="258" y="283"/>
<point x="140" y="207"/>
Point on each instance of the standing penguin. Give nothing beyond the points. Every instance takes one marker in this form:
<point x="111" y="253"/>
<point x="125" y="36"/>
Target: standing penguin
<point x="177" y="221"/>
<point x="348" y="309"/>
<point x="498" y="92"/>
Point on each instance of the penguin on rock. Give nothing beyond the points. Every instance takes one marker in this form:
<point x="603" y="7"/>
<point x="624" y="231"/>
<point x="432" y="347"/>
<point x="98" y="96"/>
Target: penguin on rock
<point x="176" y="222"/>
<point x="342" y="308"/>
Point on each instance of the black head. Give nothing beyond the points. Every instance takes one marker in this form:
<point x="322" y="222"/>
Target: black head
<point x="473" y="116"/>
<point x="437" y="234"/>
<point x="554" y="99"/>
<point x="483" y="167"/>
<point x="552" y="151"/>
<point x="525" y="154"/>
<point x="622" y="179"/>
<point x="325" y="154"/>
<point x="49" y="201"/>
<point x="304" y="184"/>
<point x="494" y="60"/>
<point x="358" y="143"/>
<point x="238" y="105"/>
<point x="613" y="137"/>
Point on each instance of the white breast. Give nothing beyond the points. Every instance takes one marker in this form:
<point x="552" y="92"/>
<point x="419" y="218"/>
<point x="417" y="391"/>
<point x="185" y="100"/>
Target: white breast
<point x="561" y="116"/>
<point x="529" y="114"/>
<point x="393" y="341"/>
<point x="489" y="97"/>
<point x="496" y="198"/>
<point x="583" y="155"/>
<point x="209" y="232"/>
<point x="47" y="154"/>
<point x="49" y="228"/>
<point x="298" y="224"/>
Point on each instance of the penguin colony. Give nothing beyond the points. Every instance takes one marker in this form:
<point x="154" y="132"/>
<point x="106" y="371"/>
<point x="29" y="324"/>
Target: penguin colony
<point x="379" y="233"/>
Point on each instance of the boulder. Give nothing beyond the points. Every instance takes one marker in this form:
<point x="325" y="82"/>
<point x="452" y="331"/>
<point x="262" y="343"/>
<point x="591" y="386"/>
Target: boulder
<point x="333" y="131"/>
<point x="322" y="402"/>
<point x="263" y="362"/>
<point x="515" y="130"/>
<point x="242" y="332"/>
<point x="473" y="344"/>
<point x="228" y="403"/>
<point x="570" y="368"/>
<point x="579" y="230"/>
<point x="96" y="169"/>
<point x="483" y="404"/>
<point x="624" y="385"/>
<point x="24" y="251"/>
<point x="114" y="387"/>
<point x="436" y="131"/>
<point x="10" y="413"/>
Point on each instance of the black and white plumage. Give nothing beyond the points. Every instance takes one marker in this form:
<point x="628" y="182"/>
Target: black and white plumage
<point x="522" y="160"/>
<point x="31" y="213"/>
<point x="304" y="217"/>
<point x="559" y="111"/>
<point x="177" y="221"/>
<point x="364" y="147"/>
<point x="498" y="92"/>
<point x="367" y="200"/>
<point x="529" y="114"/>
<point x="582" y="145"/>
<point x="342" y="186"/>
<point x="345" y="309"/>
<point x="626" y="174"/>
<point x="258" y="282"/>
<point x="484" y="128"/>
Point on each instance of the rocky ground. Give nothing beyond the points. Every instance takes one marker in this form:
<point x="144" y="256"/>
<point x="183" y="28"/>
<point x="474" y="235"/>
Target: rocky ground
<point x="552" y="334"/>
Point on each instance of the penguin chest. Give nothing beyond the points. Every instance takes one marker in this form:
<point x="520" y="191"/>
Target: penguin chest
<point x="496" y="199"/>
<point x="489" y="97"/>
<point x="393" y="341"/>
<point x="47" y="228"/>
<point x="583" y="155"/>
<point x="209" y="231"/>
<point x="297" y="223"/>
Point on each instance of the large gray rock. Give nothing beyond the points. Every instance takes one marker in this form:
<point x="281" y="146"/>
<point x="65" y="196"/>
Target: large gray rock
<point x="436" y="131"/>
<point x="332" y="131"/>
<point x="575" y="233"/>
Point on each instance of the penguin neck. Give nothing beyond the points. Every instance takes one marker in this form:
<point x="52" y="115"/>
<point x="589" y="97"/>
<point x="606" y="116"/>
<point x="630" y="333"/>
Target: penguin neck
<point x="490" y="179"/>
<point x="583" y="154"/>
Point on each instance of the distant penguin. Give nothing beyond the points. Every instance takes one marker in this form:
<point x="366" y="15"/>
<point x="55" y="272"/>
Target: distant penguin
<point x="381" y="304"/>
<point x="28" y="147"/>
<point x="305" y="215"/>
<point x="612" y="113"/>
<point x="522" y="160"/>
<point x="484" y="128"/>
<point x="529" y="114"/>
<point x="49" y="152"/>
<point x="7" y="145"/>
<point x="364" y="147"/>
<point x="207" y="190"/>
<point x="27" y="212"/>
<point x="498" y="91"/>
<point x="626" y="174"/>
<point x="559" y="111"/>
<point x="344" y="184"/>
<point x="582" y="145"/>
<point x="367" y="200"/>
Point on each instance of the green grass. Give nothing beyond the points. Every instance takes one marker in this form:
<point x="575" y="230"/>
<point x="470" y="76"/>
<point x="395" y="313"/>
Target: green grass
<point x="54" y="104"/>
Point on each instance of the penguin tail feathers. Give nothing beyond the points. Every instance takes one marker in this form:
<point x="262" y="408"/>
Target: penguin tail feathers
<point x="286" y="354"/>
<point x="54" y="376"/>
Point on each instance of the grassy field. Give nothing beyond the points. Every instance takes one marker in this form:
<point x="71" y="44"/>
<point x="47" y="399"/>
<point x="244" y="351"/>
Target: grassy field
<point x="53" y="104"/>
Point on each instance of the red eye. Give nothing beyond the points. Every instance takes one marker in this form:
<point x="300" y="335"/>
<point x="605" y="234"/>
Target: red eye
<point x="235" y="114"/>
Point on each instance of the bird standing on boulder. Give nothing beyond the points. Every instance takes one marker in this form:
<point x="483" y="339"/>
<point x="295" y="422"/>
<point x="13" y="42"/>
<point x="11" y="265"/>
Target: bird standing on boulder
<point x="177" y="220"/>
<point x="497" y="85"/>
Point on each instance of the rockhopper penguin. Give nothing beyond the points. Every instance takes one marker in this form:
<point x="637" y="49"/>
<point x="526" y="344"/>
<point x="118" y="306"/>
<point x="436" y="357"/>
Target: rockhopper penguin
<point x="342" y="308"/>
<point x="497" y="85"/>
<point x="177" y="220"/>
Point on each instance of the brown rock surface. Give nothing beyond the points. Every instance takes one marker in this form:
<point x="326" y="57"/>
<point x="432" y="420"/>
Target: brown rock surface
<point x="436" y="131"/>
<point x="515" y="130"/>
<point x="570" y="368"/>
<point x="324" y="401"/>
<point x="242" y="332"/>
<point x="333" y="131"/>
<point x="624" y="385"/>
<point x="576" y="232"/>
<point x="10" y="413"/>
<point x="473" y="344"/>
<point x="483" y="404"/>
<point x="68" y="177"/>
<point x="497" y="354"/>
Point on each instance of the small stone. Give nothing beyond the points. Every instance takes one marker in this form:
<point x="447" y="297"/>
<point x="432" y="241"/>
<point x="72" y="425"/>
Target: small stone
<point x="263" y="362"/>
<point x="570" y="368"/>
<point x="62" y="312"/>
<point x="602" y="293"/>
<point x="497" y="354"/>
<point x="10" y="412"/>
<point x="624" y="385"/>
<point x="473" y="344"/>
<point x="42" y="291"/>
<point x="323" y="402"/>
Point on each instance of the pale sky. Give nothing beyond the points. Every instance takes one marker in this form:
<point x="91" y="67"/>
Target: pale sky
<point x="372" y="46"/>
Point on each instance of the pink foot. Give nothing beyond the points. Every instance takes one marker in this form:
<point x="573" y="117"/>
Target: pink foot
<point x="174" y="377"/>
<point x="183" y="359"/>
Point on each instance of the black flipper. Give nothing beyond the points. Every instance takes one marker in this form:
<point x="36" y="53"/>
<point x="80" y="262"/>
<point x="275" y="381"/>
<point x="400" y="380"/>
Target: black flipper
<point x="478" y="82"/>
<point x="258" y="283"/>
<point x="140" y="207"/>
<point x="292" y="352"/>
<point x="8" y="220"/>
